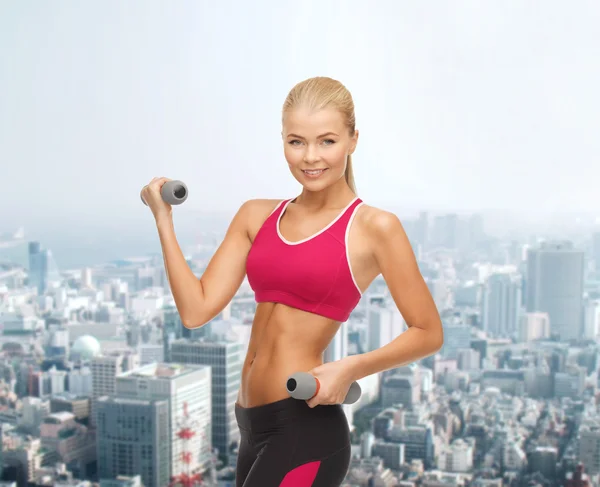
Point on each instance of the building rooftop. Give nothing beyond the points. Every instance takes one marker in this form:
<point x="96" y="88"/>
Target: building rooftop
<point x="59" y="417"/>
<point x="162" y="370"/>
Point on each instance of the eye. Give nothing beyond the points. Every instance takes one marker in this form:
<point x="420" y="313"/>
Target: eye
<point x="329" y="142"/>
<point x="293" y="142"/>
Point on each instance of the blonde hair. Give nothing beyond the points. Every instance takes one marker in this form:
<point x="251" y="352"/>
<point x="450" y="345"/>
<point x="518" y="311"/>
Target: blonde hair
<point x="319" y="93"/>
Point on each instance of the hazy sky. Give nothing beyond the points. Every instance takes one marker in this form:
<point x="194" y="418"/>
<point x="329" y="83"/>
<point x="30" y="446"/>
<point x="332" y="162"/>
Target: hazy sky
<point x="464" y="104"/>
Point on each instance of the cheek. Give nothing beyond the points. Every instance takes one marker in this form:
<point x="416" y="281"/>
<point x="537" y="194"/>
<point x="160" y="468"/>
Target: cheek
<point x="292" y="156"/>
<point x="337" y="156"/>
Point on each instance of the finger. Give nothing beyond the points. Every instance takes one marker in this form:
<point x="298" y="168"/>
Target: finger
<point x="158" y="184"/>
<point x="315" y="400"/>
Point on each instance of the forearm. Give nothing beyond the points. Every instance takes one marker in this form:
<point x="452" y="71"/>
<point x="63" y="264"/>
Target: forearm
<point x="410" y="346"/>
<point x="185" y="286"/>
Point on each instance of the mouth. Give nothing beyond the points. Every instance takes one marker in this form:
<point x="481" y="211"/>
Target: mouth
<point x="313" y="173"/>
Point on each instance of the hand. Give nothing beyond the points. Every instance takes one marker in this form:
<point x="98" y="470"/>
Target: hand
<point x="153" y="198"/>
<point x="335" y="379"/>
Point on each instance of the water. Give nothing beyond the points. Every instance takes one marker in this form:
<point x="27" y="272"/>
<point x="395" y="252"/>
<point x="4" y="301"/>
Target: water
<point x="82" y="245"/>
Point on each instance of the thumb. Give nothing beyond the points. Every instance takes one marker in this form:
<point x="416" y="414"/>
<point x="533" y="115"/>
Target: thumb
<point x="315" y="371"/>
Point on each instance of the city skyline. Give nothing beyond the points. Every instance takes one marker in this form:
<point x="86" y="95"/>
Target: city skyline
<point x="476" y="125"/>
<point x="492" y="107"/>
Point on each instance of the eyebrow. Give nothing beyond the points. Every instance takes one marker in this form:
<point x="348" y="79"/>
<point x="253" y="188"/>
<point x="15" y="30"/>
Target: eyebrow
<point x="320" y="136"/>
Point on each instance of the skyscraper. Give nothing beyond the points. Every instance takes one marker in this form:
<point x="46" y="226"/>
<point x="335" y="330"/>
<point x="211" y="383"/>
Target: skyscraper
<point x="226" y="360"/>
<point x="555" y="272"/>
<point x="105" y="369"/>
<point x="178" y="385"/>
<point x="38" y="267"/>
<point x="42" y="268"/>
<point x="501" y="304"/>
<point x="133" y="438"/>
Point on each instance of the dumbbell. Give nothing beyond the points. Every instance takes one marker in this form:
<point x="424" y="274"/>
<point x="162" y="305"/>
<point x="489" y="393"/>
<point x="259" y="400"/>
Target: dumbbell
<point x="303" y="385"/>
<point x="172" y="192"/>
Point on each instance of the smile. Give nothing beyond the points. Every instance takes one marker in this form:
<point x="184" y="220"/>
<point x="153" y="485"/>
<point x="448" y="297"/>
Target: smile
<point x="314" y="173"/>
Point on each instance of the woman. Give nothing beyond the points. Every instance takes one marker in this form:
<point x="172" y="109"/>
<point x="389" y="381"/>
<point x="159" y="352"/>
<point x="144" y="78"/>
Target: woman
<point x="308" y="260"/>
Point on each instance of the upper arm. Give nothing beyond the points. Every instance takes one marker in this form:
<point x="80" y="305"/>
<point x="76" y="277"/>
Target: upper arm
<point x="227" y="267"/>
<point x="398" y="266"/>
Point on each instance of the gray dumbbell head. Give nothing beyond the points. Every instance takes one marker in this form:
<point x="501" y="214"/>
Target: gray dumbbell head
<point x="301" y="385"/>
<point x="353" y="393"/>
<point x="174" y="192"/>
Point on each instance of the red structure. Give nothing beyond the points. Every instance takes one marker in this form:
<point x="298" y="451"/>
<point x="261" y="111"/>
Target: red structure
<point x="578" y="479"/>
<point x="186" y="433"/>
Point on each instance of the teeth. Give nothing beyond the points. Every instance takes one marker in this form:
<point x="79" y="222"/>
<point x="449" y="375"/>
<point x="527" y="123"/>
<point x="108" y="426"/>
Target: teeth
<point x="314" y="172"/>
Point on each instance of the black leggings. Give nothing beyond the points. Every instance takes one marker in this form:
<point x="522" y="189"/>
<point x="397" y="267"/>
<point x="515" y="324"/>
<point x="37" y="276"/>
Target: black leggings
<point x="288" y="444"/>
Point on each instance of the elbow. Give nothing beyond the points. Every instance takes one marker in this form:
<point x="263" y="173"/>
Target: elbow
<point x="437" y="339"/>
<point x="192" y="322"/>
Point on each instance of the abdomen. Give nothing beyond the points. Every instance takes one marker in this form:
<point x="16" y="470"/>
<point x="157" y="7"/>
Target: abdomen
<point x="284" y="340"/>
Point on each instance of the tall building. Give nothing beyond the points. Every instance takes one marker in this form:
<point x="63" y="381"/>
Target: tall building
<point x="133" y="438"/>
<point x="184" y="388"/>
<point x="476" y="229"/>
<point x="385" y="324"/>
<point x="105" y="369"/>
<point x="591" y="319"/>
<point x="501" y="304"/>
<point x="446" y="231"/>
<point x="589" y="446"/>
<point x="534" y="326"/>
<point x="226" y="360"/>
<point x="38" y="267"/>
<point x="42" y="268"/>
<point x="555" y="272"/>
<point x="457" y="337"/>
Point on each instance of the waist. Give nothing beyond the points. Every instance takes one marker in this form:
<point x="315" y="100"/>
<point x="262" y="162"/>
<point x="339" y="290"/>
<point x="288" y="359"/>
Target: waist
<point x="273" y="415"/>
<point x="264" y="377"/>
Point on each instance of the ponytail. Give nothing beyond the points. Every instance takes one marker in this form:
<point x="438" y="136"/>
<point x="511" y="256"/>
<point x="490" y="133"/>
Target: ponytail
<point x="350" y="174"/>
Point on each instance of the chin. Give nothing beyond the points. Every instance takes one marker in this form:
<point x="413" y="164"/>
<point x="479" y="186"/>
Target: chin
<point x="315" y="185"/>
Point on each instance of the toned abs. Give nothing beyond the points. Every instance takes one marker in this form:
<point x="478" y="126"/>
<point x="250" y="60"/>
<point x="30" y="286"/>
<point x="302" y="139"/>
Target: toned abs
<point x="285" y="340"/>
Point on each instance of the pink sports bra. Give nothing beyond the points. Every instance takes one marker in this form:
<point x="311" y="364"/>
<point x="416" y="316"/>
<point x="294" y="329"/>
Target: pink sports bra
<point x="312" y="274"/>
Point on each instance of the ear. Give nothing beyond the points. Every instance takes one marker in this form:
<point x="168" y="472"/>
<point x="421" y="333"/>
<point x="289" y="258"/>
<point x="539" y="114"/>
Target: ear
<point x="353" y="142"/>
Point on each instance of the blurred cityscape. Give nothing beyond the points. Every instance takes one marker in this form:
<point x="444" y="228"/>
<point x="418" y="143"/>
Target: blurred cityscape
<point x="101" y="385"/>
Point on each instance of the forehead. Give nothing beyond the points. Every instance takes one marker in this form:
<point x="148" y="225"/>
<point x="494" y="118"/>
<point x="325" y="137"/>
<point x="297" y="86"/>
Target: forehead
<point x="303" y="121"/>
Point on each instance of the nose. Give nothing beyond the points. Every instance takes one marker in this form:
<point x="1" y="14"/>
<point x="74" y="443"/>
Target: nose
<point x="311" y="155"/>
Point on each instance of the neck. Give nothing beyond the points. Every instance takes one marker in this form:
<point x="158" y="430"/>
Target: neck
<point x="335" y="196"/>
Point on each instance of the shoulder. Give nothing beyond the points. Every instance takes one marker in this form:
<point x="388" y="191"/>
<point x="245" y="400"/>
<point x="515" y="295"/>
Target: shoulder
<point x="386" y="237"/>
<point x="257" y="208"/>
<point x="378" y="223"/>
<point x="253" y="213"/>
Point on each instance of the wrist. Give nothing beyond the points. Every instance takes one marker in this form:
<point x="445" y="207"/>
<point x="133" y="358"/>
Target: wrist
<point x="164" y="220"/>
<point x="355" y="366"/>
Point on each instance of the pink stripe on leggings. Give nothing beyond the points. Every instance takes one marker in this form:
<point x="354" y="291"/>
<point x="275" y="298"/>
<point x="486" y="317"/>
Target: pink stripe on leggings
<point x="302" y="476"/>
